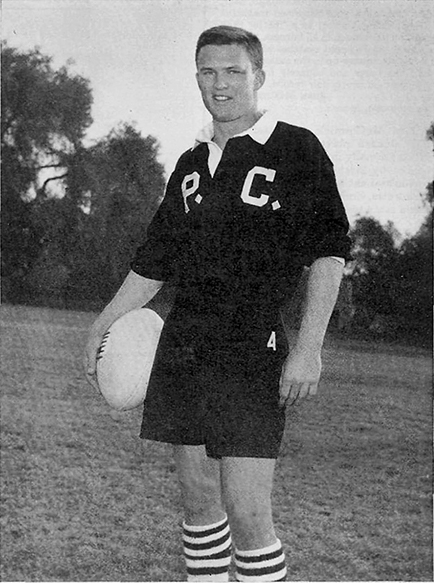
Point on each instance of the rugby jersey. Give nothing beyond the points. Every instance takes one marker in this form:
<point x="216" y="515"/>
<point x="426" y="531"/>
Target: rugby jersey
<point x="243" y="222"/>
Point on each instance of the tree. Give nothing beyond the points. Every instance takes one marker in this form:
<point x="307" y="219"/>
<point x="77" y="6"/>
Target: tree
<point x="416" y="273"/>
<point x="375" y="253"/>
<point x="121" y="183"/>
<point x="415" y="297"/>
<point x="45" y="113"/>
<point x="392" y="283"/>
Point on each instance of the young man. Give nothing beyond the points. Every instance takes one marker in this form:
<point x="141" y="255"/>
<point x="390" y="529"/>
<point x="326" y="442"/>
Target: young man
<point x="246" y="209"/>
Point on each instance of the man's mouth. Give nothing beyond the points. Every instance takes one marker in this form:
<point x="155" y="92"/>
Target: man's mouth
<point x="221" y="98"/>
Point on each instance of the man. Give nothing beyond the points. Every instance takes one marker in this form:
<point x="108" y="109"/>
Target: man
<point x="246" y="209"/>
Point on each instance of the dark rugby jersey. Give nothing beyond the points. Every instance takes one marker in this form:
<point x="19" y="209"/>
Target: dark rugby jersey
<point x="248" y="230"/>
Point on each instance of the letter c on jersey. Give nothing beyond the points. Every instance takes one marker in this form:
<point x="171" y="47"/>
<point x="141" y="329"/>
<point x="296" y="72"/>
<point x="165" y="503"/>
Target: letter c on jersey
<point x="245" y="193"/>
<point x="187" y="190"/>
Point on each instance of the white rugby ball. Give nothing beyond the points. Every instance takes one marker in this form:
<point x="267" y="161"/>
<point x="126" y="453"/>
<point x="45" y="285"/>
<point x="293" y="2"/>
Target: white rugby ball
<point x="126" y="356"/>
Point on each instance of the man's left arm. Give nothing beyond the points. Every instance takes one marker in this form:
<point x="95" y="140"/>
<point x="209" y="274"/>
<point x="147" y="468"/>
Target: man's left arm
<point x="302" y="368"/>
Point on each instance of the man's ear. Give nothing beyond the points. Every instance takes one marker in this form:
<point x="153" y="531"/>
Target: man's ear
<point x="259" y="78"/>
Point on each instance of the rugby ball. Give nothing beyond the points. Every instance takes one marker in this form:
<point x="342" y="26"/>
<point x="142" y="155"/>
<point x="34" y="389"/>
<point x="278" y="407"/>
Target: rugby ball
<point x="126" y="356"/>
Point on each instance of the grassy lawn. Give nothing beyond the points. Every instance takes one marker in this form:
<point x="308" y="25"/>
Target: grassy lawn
<point x="84" y="499"/>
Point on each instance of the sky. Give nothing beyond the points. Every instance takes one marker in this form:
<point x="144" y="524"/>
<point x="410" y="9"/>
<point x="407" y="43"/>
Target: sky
<point x="358" y="73"/>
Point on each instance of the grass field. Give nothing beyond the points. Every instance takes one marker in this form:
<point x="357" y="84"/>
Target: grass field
<point x="84" y="499"/>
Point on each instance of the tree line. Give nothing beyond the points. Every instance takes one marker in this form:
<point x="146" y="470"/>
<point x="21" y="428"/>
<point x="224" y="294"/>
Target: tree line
<point x="73" y="215"/>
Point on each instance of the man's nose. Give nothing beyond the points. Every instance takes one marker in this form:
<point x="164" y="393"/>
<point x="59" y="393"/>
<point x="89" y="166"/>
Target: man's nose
<point x="220" y="81"/>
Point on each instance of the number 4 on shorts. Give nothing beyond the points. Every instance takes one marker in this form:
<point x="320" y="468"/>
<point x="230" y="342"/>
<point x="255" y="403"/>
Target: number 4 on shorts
<point x="272" y="341"/>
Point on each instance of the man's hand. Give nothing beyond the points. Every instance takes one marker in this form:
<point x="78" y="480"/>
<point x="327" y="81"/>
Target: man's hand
<point x="300" y="376"/>
<point x="89" y="361"/>
<point x="135" y="292"/>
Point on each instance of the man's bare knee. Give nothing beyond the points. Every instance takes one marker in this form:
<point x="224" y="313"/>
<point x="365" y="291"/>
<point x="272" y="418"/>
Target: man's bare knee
<point x="199" y="493"/>
<point x="199" y="479"/>
<point x="247" y="485"/>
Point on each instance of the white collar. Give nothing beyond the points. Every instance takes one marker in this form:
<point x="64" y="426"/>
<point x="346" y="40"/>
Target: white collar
<point x="260" y="131"/>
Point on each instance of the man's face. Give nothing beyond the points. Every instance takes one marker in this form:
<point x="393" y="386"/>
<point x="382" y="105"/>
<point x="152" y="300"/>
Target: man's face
<point x="228" y="82"/>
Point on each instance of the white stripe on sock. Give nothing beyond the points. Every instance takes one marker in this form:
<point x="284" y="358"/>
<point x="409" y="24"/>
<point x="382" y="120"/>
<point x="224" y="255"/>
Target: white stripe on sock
<point x="205" y="539"/>
<point x="200" y="528"/>
<point x="202" y="578"/>
<point x="260" y="564"/>
<point x="201" y="563"/>
<point x="268" y="577"/>
<point x="256" y="552"/>
<point x="213" y="551"/>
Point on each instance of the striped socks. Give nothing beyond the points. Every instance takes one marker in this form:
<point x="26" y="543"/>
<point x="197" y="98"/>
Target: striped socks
<point x="207" y="551"/>
<point x="266" y="564"/>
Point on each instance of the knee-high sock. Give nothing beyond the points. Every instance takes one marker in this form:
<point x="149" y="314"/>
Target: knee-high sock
<point x="207" y="551"/>
<point x="267" y="564"/>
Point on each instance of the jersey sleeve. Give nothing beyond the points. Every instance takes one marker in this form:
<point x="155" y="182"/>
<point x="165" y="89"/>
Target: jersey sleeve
<point x="158" y="257"/>
<point x="325" y="231"/>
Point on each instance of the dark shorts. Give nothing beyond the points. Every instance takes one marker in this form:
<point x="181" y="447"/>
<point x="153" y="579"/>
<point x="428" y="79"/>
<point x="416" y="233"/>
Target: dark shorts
<point x="215" y="381"/>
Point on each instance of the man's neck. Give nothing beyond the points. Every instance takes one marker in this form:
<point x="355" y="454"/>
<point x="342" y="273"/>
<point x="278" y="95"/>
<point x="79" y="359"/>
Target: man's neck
<point x="224" y="131"/>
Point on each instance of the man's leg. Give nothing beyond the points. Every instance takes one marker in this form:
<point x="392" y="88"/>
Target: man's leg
<point x="199" y="478"/>
<point x="247" y="485"/>
<point x="206" y="536"/>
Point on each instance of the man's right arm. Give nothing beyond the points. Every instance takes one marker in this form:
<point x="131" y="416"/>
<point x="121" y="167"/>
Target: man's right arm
<point x="135" y="292"/>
